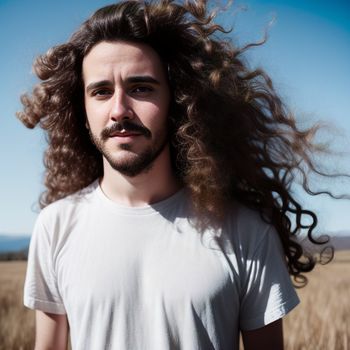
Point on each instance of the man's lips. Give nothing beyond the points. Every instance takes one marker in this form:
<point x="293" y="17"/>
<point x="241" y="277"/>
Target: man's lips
<point x="125" y="134"/>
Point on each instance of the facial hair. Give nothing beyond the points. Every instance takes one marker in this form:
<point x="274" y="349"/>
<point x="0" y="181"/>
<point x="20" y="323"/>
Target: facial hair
<point x="135" y="164"/>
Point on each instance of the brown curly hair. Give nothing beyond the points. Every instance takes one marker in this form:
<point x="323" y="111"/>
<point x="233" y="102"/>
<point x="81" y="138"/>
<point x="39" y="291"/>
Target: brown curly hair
<point x="232" y="138"/>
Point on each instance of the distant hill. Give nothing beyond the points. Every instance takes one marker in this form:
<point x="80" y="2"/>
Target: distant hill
<point x="342" y="233"/>
<point x="338" y="240"/>
<point x="14" y="247"/>
<point x="341" y="242"/>
<point x="13" y="243"/>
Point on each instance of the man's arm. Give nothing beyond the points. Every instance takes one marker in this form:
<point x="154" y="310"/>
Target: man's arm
<point x="51" y="331"/>
<point x="268" y="337"/>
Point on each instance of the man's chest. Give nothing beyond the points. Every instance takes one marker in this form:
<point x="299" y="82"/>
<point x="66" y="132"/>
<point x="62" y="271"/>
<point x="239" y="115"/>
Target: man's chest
<point x="129" y="268"/>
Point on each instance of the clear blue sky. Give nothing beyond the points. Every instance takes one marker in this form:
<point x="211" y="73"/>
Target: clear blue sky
<point x="307" y="55"/>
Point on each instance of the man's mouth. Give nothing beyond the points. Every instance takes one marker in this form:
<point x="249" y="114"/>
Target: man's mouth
<point x="125" y="129"/>
<point x="124" y="133"/>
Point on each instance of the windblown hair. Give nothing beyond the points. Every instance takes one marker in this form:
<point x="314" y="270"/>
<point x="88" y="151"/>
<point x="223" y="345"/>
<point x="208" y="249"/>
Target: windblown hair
<point x="232" y="138"/>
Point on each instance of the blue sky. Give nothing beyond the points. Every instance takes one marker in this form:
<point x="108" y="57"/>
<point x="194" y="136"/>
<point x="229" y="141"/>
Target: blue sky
<point x="307" y="55"/>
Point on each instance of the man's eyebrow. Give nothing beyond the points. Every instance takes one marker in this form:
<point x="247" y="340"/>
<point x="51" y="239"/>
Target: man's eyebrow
<point x="98" y="84"/>
<point x="132" y="79"/>
<point x="142" y="79"/>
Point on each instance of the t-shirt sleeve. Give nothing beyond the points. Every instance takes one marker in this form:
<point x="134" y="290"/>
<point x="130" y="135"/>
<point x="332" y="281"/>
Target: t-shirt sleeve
<point x="268" y="293"/>
<point x="40" y="287"/>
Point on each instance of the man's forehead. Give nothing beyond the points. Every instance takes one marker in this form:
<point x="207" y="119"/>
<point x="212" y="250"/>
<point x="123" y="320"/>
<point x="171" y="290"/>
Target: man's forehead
<point x="120" y="56"/>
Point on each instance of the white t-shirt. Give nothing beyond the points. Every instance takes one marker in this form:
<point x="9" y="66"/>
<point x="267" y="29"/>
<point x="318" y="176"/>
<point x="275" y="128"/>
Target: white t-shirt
<point x="144" y="279"/>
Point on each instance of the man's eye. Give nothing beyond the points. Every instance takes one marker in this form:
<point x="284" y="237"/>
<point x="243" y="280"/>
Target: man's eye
<point x="101" y="92"/>
<point x="142" y="90"/>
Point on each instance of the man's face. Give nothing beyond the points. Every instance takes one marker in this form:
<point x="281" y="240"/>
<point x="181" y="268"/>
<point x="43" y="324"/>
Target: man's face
<point x="127" y="98"/>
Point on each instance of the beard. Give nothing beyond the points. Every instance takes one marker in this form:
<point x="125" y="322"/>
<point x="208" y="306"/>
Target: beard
<point x="134" y="163"/>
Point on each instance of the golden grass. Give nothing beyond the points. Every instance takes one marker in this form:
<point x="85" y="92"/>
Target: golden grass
<point x="16" y="322"/>
<point x="320" y="322"/>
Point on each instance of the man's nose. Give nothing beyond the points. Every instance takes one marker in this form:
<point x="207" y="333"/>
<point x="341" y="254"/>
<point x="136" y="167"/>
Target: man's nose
<point x="120" y="108"/>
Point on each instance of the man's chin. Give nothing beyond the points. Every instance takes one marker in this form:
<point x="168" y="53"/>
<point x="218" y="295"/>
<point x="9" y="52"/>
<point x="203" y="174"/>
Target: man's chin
<point x="131" y="164"/>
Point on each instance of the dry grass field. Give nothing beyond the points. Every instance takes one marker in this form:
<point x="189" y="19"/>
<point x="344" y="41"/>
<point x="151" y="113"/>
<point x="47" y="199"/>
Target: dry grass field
<point x="16" y="322"/>
<point x="320" y="322"/>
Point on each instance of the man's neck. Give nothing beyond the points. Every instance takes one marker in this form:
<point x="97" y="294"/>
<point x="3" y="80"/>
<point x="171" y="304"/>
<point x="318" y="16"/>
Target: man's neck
<point x="151" y="186"/>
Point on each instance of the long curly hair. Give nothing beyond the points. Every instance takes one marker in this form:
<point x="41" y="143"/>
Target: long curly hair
<point x="232" y="138"/>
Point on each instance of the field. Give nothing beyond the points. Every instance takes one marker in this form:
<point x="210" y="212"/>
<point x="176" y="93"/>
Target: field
<point x="16" y="322"/>
<point x="320" y="322"/>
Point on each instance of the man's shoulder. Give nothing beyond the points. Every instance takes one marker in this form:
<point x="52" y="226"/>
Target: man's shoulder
<point x="246" y="226"/>
<point x="70" y="203"/>
<point x="56" y="220"/>
<point x="245" y="217"/>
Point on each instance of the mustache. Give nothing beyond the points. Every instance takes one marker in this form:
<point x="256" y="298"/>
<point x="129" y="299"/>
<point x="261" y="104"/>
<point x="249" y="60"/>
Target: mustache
<point x="126" y="125"/>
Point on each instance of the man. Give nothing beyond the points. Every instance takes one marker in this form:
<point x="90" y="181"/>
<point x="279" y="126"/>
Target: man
<point x="165" y="221"/>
